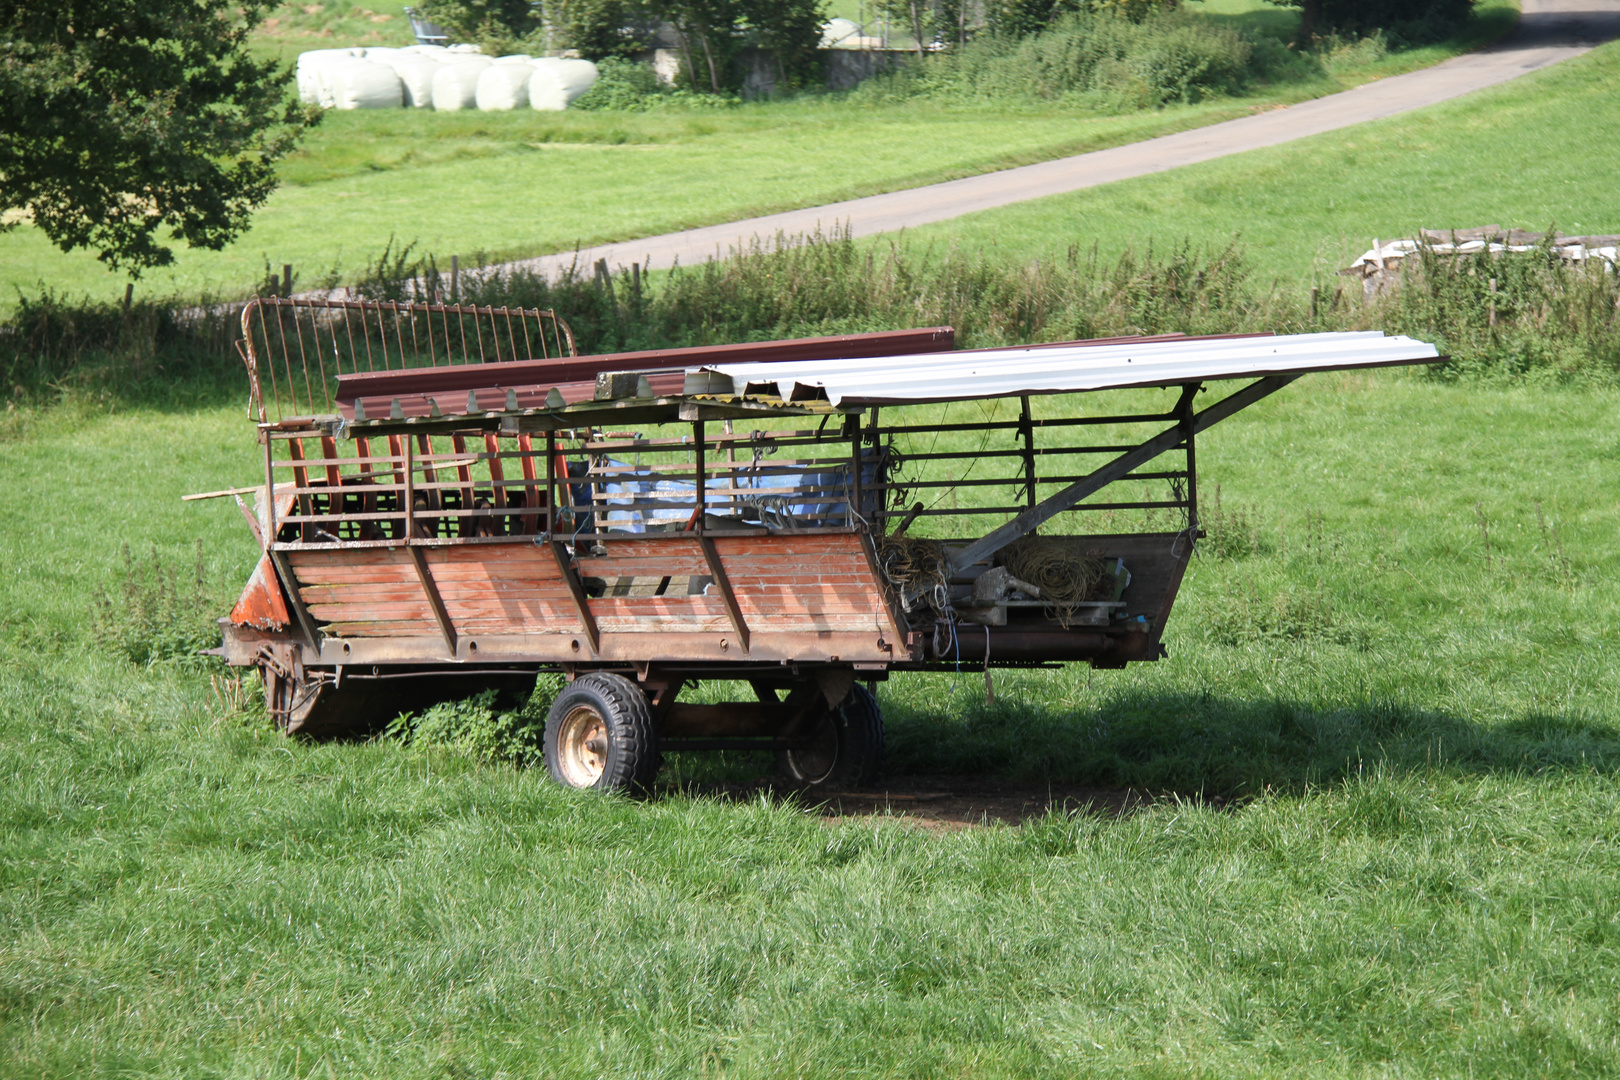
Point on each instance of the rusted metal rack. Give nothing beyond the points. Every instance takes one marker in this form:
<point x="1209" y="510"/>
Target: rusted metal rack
<point x="645" y="522"/>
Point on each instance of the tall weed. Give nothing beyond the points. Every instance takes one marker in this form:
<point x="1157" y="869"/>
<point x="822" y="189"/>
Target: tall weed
<point x="1511" y="315"/>
<point x="159" y="613"/>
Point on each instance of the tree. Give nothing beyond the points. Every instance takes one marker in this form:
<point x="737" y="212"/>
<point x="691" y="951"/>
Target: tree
<point x="791" y="31"/>
<point x="918" y="14"/>
<point x="122" y="118"/>
<point x="1411" y="21"/>
<point x="499" y="25"/>
<point x="602" y="28"/>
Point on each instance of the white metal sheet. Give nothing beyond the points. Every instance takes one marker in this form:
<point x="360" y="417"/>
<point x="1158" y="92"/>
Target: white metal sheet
<point x="1074" y="367"/>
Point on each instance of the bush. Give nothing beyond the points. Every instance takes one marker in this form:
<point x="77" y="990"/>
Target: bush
<point x="1106" y="59"/>
<point x="478" y="729"/>
<point x="1545" y="319"/>
<point x="622" y="86"/>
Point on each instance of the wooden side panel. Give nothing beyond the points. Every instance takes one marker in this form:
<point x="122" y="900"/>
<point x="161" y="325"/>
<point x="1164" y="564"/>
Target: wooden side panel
<point x="783" y="584"/>
<point x="486" y="588"/>
<point x="804" y="582"/>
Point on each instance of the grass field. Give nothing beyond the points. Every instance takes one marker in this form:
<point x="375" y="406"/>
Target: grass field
<point x="1416" y="874"/>
<point x="1516" y="155"/>
<point x="523" y="183"/>
<point x="1381" y="834"/>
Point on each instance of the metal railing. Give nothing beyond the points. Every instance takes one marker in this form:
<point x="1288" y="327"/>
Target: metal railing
<point x="295" y="349"/>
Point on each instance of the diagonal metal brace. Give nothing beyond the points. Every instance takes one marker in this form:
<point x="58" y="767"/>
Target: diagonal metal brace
<point x="1037" y="515"/>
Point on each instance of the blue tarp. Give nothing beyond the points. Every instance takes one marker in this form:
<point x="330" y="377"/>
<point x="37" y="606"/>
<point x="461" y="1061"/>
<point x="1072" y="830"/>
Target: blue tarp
<point x="821" y="506"/>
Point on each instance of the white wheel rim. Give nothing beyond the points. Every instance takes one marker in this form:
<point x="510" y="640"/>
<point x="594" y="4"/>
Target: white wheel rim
<point x="581" y="747"/>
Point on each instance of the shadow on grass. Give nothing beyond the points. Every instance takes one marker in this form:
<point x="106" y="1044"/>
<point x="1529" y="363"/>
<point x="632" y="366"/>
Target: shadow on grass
<point x="1199" y="744"/>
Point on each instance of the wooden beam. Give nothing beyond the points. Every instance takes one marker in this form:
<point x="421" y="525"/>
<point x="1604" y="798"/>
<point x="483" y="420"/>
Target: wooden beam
<point x="723" y="583"/>
<point x="1037" y="515"/>
<point x="576" y="589"/>
<point x="435" y="601"/>
<point x="289" y="584"/>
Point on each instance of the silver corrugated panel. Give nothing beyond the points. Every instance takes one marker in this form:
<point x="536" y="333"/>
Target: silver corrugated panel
<point x="1075" y="366"/>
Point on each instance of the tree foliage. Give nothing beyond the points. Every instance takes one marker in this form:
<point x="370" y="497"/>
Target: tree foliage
<point x="120" y="119"/>
<point x="711" y="32"/>
<point x="1019" y="18"/>
<point x="1412" y="21"/>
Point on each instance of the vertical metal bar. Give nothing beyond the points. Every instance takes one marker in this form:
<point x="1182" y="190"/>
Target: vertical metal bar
<point x="530" y="521"/>
<point x="432" y="496"/>
<point x="395" y="451"/>
<point x="551" y="483"/>
<point x="368" y="498"/>
<point x="416" y="345"/>
<point x="410" y="493"/>
<point x="478" y="332"/>
<point x="697" y="433"/>
<point x="528" y="342"/>
<point x="270" y="365"/>
<point x="320" y="359"/>
<point x="852" y="426"/>
<point x="1189" y="425"/>
<point x="497" y="479"/>
<point x="295" y="448"/>
<point x="469" y="524"/>
<point x="269" y="491"/>
<point x="334" y="478"/>
<point x="286" y="356"/>
<point x="1026" y="427"/>
<point x="399" y="336"/>
<point x="348" y="328"/>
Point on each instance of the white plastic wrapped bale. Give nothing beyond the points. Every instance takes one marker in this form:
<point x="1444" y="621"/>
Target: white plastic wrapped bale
<point x="502" y="85"/>
<point x="557" y="84"/>
<point x="455" y="84"/>
<point x="364" y="85"/>
<point x="415" y="73"/>
<point x="308" y="71"/>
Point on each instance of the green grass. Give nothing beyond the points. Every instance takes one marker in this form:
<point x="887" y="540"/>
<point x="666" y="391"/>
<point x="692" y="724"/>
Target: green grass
<point x="1417" y="876"/>
<point x="516" y="184"/>
<point x="1518" y="155"/>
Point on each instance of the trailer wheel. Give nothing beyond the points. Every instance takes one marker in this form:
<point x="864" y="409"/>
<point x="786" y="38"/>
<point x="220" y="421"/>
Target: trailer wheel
<point x="847" y="750"/>
<point x="600" y="735"/>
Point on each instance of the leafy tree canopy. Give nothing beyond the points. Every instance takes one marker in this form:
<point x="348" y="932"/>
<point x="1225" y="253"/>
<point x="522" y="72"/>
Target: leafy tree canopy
<point x="712" y="31"/>
<point x="1409" y="21"/>
<point x="123" y="119"/>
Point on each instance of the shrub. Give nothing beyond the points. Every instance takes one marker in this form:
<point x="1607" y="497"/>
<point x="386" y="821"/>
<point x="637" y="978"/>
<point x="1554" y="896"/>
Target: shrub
<point x="478" y="729"/>
<point x="1544" y="319"/>
<point x="622" y="86"/>
<point x="1105" y="59"/>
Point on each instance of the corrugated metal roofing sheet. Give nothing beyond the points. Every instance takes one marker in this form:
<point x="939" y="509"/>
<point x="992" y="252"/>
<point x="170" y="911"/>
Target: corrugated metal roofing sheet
<point x="1074" y="367"/>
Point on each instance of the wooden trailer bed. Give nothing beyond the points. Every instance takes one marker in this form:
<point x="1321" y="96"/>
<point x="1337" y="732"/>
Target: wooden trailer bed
<point x="435" y="528"/>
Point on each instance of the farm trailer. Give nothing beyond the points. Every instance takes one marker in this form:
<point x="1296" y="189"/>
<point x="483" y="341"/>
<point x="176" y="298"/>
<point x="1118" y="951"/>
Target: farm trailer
<point x="454" y="501"/>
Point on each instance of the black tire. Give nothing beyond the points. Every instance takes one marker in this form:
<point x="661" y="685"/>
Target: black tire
<point x="848" y="755"/>
<point x="600" y="736"/>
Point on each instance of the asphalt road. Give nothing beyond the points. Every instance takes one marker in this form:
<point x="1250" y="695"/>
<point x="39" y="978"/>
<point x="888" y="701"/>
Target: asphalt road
<point x="1549" y="31"/>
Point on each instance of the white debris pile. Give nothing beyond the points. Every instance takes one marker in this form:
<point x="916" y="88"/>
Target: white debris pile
<point x="446" y="78"/>
<point x="1380" y="267"/>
